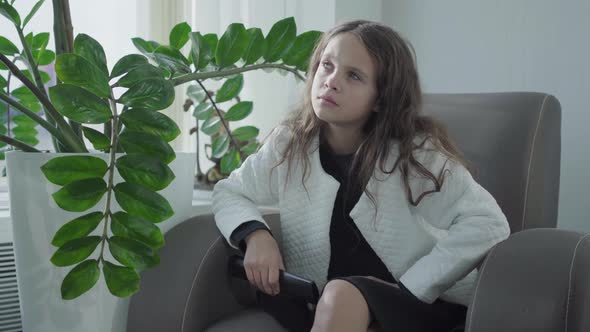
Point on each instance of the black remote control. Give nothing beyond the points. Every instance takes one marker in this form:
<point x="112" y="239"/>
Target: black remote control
<point x="291" y="285"/>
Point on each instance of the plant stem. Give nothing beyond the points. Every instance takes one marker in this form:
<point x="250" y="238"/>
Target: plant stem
<point x="70" y="138"/>
<point x="30" y="62"/>
<point x="63" y="30"/>
<point x="17" y="144"/>
<point x="51" y="129"/>
<point x="231" y="137"/>
<point x="226" y="72"/>
<point x="112" y="159"/>
<point x="8" y="122"/>
<point x="64" y="40"/>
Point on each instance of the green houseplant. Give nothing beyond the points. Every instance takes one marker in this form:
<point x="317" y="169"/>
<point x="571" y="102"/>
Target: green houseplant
<point x="135" y="136"/>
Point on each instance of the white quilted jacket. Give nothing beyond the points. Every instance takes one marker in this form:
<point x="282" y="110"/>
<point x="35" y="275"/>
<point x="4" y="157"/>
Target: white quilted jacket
<point x="432" y="249"/>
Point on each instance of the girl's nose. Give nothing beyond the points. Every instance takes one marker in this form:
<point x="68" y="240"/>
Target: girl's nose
<point x="332" y="82"/>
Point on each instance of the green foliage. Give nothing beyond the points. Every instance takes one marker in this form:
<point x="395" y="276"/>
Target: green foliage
<point x="80" y="279"/>
<point x="121" y="281"/>
<point x="84" y="95"/>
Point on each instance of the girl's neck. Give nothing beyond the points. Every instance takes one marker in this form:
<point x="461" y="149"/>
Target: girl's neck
<point x="342" y="140"/>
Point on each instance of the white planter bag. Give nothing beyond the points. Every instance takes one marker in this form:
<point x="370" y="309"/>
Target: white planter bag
<point x="35" y="219"/>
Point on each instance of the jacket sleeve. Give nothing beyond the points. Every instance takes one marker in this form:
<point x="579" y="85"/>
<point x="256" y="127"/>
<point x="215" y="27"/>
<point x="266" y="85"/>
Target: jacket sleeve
<point x="472" y="223"/>
<point x="236" y="198"/>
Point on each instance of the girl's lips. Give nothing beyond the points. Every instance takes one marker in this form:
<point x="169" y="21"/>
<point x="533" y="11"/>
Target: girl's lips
<point x="326" y="100"/>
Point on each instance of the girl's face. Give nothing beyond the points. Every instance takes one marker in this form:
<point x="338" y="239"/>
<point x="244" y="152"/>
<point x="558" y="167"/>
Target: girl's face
<point x="344" y="88"/>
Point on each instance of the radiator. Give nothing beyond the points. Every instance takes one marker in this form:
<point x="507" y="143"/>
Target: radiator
<point x="10" y="317"/>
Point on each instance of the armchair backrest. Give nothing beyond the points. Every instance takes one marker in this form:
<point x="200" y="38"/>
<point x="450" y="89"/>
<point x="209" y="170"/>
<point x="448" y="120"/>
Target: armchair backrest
<point x="514" y="140"/>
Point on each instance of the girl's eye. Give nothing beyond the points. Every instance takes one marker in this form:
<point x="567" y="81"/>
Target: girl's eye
<point x="326" y="64"/>
<point x="354" y="76"/>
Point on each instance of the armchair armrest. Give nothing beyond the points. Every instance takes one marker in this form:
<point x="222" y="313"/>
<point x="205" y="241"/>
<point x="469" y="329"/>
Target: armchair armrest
<point x="191" y="288"/>
<point x="536" y="280"/>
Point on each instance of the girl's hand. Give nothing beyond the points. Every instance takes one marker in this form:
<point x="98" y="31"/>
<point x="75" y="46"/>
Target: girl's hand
<point x="263" y="261"/>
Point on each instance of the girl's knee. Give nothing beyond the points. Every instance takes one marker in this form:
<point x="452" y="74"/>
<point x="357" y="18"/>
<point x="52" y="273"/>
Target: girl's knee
<point x="341" y="299"/>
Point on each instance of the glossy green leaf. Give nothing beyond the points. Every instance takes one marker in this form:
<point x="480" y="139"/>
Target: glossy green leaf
<point x="10" y="13"/>
<point x="99" y="140"/>
<point x="43" y="57"/>
<point x="280" y="38"/>
<point x="239" y="111"/>
<point x="231" y="45"/>
<point x="171" y="60"/>
<point x="121" y="281"/>
<point x="127" y="63"/>
<point x="32" y="12"/>
<point x="142" y="202"/>
<point x="196" y="93"/>
<point x="219" y="146"/>
<point x="77" y="228"/>
<point x="3" y="84"/>
<point x="303" y="46"/>
<point x="211" y="125"/>
<point x="74" y="69"/>
<point x="24" y="131"/>
<point x="140" y="73"/>
<point x="67" y="169"/>
<point x="80" y="279"/>
<point x="203" y="111"/>
<point x="132" y="227"/>
<point x="40" y="41"/>
<point x="3" y="66"/>
<point x="79" y="104"/>
<point x="29" y="140"/>
<point x="151" y="94"/>
<point x="230" y="161"/>
<point x="179" y="35"/>
<point x="88" y="48"/>
<point x="245" y="133"/>
<point x="44" y="76"/>
<point x="29" y="40"/>
<point x="148" y="172"/>
<point x="75" y="251"/>
<point x="133" y="253"/>
<point x="151" y="122"/>
<point x="195" y="53"/>
<point x="230" y="89"/>
<point x="23" y="94"/>
<point x="32" y="105"/>
<point x="143" y="46"/>
<point x="257" y="46"/>
<point x="147" y="144"/>
<point x="24" y="121"/>
<point x="250" y="148"/>
<point x="79" y="196"/>
<point x="7" y="47"/>
<point x="207" y="46"/>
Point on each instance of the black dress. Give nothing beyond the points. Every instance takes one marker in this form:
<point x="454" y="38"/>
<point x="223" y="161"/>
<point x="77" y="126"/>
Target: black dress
<point x="352" y="258"/>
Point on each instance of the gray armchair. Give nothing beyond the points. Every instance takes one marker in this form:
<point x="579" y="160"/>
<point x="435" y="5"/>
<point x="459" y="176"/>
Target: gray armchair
<point x="534" y="281"/>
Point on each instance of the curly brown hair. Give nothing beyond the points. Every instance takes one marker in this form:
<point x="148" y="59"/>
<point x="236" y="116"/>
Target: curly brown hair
<point x="399" y="118"/>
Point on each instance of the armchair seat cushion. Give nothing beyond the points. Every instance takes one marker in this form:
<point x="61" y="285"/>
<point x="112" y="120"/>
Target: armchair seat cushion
<point x="251" y="320"/>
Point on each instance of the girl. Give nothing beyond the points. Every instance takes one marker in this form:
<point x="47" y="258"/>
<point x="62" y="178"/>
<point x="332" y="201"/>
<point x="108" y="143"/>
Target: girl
<point x="377" y="205"/>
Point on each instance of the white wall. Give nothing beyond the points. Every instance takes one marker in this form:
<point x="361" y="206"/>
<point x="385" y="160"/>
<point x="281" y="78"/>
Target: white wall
<point x="512" y="45"/>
